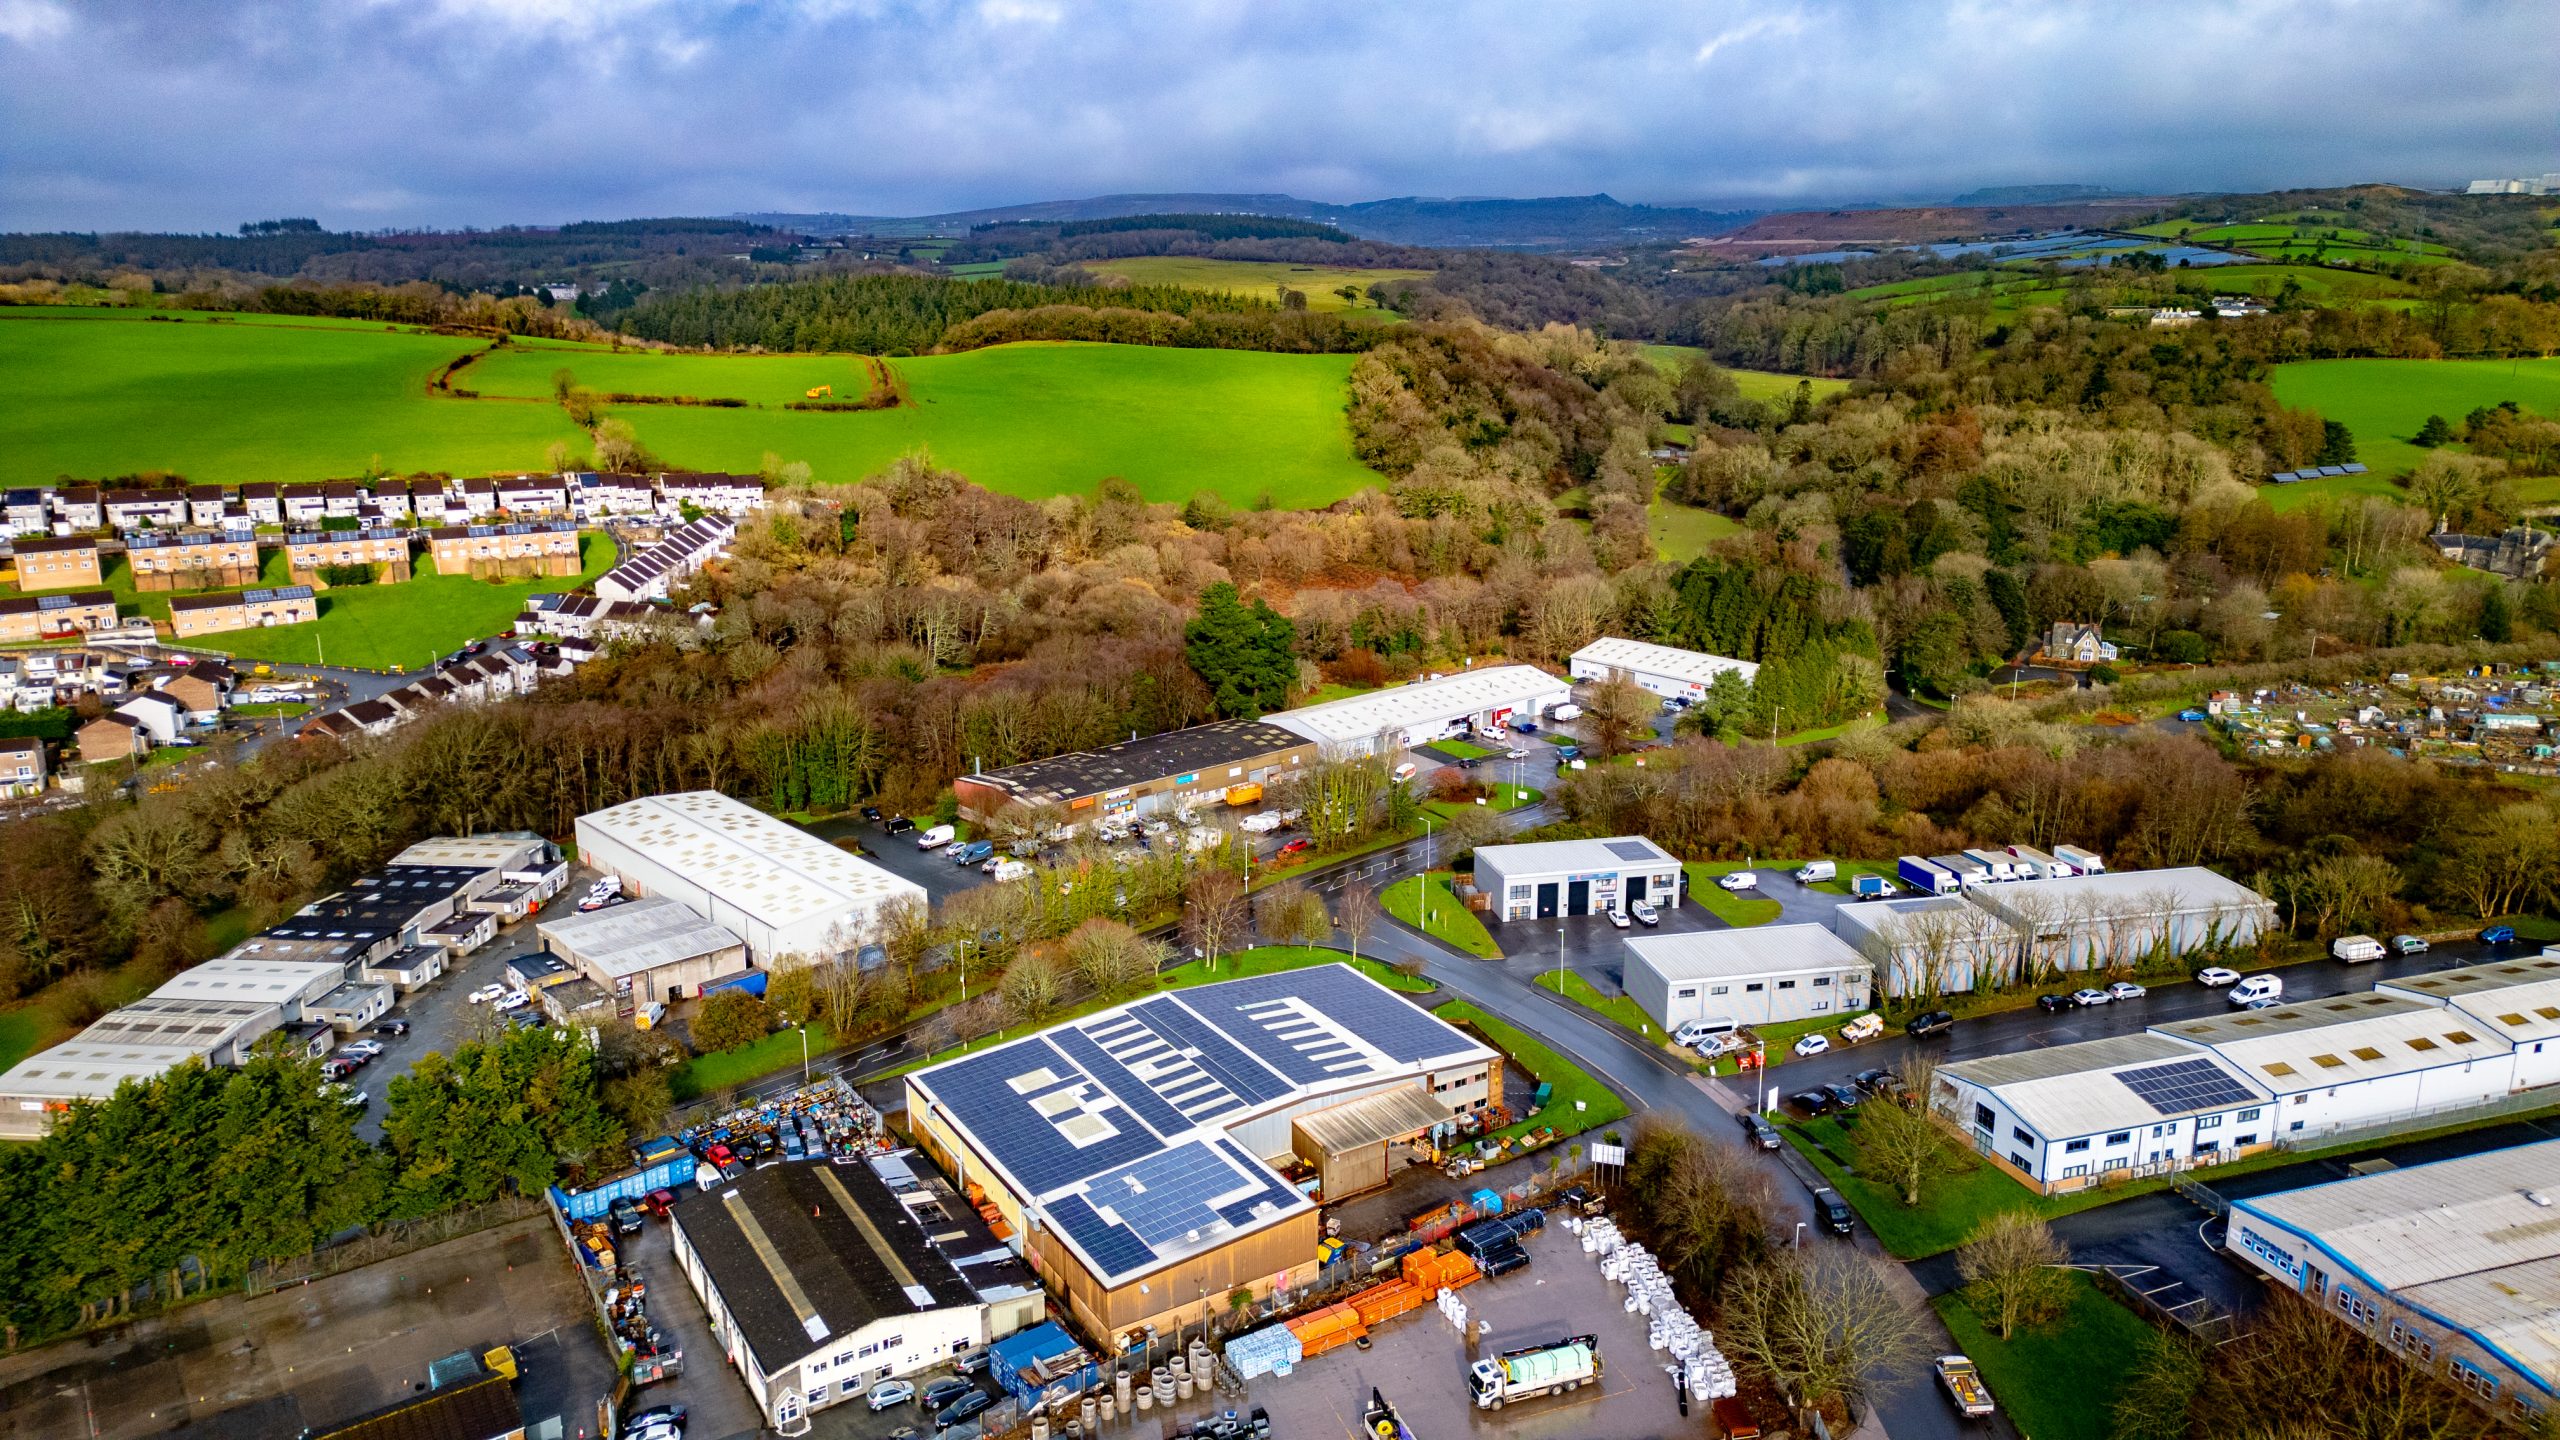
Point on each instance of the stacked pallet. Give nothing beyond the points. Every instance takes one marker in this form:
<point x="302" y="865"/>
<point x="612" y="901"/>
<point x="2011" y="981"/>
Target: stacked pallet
<point x="1330" y="1328"/>
<point x="1271" y="1350"/>
<point x="1432" y="1271"/>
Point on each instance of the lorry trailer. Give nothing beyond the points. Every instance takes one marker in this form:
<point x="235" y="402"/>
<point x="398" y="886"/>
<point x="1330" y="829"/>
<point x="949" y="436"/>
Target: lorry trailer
<point x="1926" y="876"/>
<point x="1536" y="1370"/>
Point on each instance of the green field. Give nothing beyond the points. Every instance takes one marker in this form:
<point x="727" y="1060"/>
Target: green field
<point x="100" y="393"/>
<point x="2385" y="401"/>
<point x="1254" y="279"/>
<point x="2058" y="1380"/>
<point x="405" y="626"/>
<point x="1682" y="532"/>
<point x="1754" y="384"/>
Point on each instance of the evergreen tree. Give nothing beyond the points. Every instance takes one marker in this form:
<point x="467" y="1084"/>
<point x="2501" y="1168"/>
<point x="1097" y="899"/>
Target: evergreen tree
<point x="2433" y="433"/>
<point x="2497" y="617"/>
<point x="1247" y="657"/>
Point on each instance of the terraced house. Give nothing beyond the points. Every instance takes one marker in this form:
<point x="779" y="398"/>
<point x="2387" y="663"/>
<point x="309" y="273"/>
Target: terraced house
<point x="311" y="551"/>
<point x="57" y="564"/>
<point x="192" y="560"/>
<point x="500" y="552"/>
<point x="242" y="610"/>
<point x="135" y="509"/>
<point x="47" y="617"/>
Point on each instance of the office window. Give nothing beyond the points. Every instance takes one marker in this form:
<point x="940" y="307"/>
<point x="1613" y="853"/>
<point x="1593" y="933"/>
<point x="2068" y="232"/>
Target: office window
<point x="2248" y="1115"/>
<point x="2295" y="1126"/>
<point x="2410" y="1340"/>
<point x="2074" y="1147"/>
<point x="2115" y="1163"/>
<point x="1821" y="1005"/>
<point x="2120" y="1137"/>
<point x="1687" y="992"/>
<point x="2208" y="1122"/>
<point x="2470" y="1377"/>
<point x="1982" y="1117"/>
<point x="2073" y="1172"/>
<point x="1719" y="989"/>
<point x="1785" y="985"/>
<point x="2019" y="1134"/>
<point x="1819" y="981"/>
<point x="1754" y="988"/>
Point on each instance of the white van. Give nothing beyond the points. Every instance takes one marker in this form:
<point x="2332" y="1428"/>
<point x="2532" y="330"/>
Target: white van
<point x="937" y="837"/>
<point x="2258" y="987"/>
<point x="1010" y="870"/>
<point x="1705" y="1028"/>
<point x="1406" y="770"/>
<point x="2352" y="948"/>
<point x="1817" y="870"/>
<point x="1566" y="711"/>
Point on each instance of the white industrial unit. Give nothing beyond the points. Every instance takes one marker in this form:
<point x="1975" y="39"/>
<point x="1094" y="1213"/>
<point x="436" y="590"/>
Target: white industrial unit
<point x="1761" y="976"/>
<point x="2095" y="922"/>
<point x="783" y="890"/>
<point x="2518" y="999"/>
<point x="2066" y="1116"/>
<point x="1929" y="945"/>
<point x="1662" y="669"/>
<point x="1426" y="710"/>
<point x="1555" y="878"/>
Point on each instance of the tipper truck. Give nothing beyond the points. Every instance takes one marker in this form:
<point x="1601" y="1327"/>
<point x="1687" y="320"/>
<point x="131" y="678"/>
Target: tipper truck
<point x="1534" y="1371"/>
<point x="1964" y="1386"/>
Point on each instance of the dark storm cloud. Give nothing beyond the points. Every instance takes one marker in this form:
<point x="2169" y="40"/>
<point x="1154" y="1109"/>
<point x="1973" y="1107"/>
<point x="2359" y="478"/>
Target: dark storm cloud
<point x="451" y="112"/>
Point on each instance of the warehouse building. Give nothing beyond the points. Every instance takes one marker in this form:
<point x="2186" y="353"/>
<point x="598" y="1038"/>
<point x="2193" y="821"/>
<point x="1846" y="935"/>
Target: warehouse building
<point x="1403" y="716"/>
<point x="2449" y="1264"/>
<point x="819" y="1285"/>
<point x="1553" y="878"/>
<point x="784" y="891"/>
<point x="646" y="951"/>
<point x="1665" y="671"/>
<point x="1145" y="776"/>
<point x="2518" y="999"/>
<point x="2114" y="920"/>
<point x="1762" y="976"/>
<point x="1929" y="945"/>
<point x="1131" y="1153"/>
<point x="2064" y="1117"/>
<point x="2346" y="1062"/>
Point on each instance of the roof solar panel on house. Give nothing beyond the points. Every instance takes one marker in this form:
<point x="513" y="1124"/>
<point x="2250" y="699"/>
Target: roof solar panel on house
<point x="2184" y="1085"/>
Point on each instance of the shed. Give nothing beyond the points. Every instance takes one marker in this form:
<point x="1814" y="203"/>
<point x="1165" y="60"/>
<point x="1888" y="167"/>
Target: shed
<point x="1352" y="1145"/>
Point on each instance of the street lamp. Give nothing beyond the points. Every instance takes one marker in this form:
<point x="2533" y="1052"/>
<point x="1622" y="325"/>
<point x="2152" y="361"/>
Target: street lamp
<point x="1797" y="1241"/>
<point x="804" y="1052"/>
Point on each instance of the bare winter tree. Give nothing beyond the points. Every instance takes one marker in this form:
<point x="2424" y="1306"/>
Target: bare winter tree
<point x="1816" y="1323"/>
<point x="1213" y="912"/>
<point x="2011" y="1267"/>
<point x="1033" y="983"/>
<point x="1357" y="915"/>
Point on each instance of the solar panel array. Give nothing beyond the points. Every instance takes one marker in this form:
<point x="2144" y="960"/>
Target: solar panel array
<point x="1113" y="1249"/>
<point x="1277" y="1195"/>
<point x="979" y="1090"/>
<point x="1631" y="850"/>
<point x="2184" y="1085"/>
<point x="1165" y="1197"/>
<point x="1249" y="1078"/>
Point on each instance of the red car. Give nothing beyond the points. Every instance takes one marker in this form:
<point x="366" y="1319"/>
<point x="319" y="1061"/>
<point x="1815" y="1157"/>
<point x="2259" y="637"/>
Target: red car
<point x="719" y="1156"/>
<point x="1294" y="847"/>
<point x="657" y="1201"/>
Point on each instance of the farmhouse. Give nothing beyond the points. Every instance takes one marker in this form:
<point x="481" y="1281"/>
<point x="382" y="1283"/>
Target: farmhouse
<point x="191" y="560"/>
<point x="311" y="551"/>
<point x="1576" y="877"/>
<point x="1145" y="776"/>
<point x="1661" y="669"/>
<point x="1129" y="1152"/>
<point x="505" y="552"/>
<point x="652" y="573"/>
<point x="2113" y="920"/>
<point x="2449" y="1263"/>
<point x="1929" y="945"/>
<point x="2070" y="642"/>
<point x="1426" y="710"/>
<point x="648" y="950"/>
<point x="784" y="891"/>
<point x="242" y="610"/>
<point x="1763" y="976"/>
<point x="54" y="617"/>
<point x="57" y="564"/>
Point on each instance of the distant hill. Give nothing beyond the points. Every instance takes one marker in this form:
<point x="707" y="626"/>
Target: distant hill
<point x="2034" y="194"/>
<point x="1548" y="223"/>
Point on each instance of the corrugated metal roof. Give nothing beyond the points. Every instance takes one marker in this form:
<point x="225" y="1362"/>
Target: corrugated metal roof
<point x="767" y="868"/>
<point x="1899" y="920"/>
<point x="2184" y="891"/>
<point x="2326" y="1042"/>
<point x="2072" y="1090"/>
<point x="1395" y="1115"/>
<point x="1695" y="666"/>
<point x="1765" y="950"/>
<point x="1356" y="719"/>
<point x="1561" y="856"/>
<point x="638" y="935"/>
<point x="2518" y="998"/>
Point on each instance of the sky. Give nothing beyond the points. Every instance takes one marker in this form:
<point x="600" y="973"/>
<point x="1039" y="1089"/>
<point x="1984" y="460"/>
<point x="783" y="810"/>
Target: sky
<point x="370" y="114"/>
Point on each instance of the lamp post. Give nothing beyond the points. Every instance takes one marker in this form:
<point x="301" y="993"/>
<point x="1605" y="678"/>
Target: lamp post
<point x="1796" y="1242"/>
<point x="804" y="1052"/>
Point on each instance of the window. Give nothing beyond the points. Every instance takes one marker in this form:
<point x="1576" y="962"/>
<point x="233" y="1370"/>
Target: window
<point x="2248" y="1115"/>
<point x="2238" y="1141"/>
<point x="1982" y="1117"/>
<point x="1754" y="988"/>
<point x="2411" y="1341"/>
<point x="2258" y="1245"/>
<point x="1719" y="989"/>
<point x="1687" y="992"/>
<point x="2296" y="1125"/>
<point x="2303" y="1099"/>
<point x="2019" y="1133"/>
<point x="2355" y="1307"/>
<point x="2116" y="1163"/>
<point x="2074" y="1147"/>
<point x="1821" y="1005"/>
<point x="1783" y="985"/>
<point x="2074" y="1172"/>
<point x="2120" y="1137"/>
<point x="2169" y="1129"/>
<point x="2208" y="1122"/>
<point x="1819" y="981"/>
<point x="2470" y="1377"/>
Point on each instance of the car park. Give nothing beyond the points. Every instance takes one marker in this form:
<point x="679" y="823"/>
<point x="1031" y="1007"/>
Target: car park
<point x="2409" y="944"/>
<point x="2126" y="990"/>
<point x="485" y="994"/>
<point x="1812" y="1044"/>
<point x="2053" y="1004"/>
<point x="967" y="1407"/>
<point x="890" y="1392"/>
<point x="1618" y="919"/>
<point x="2214" y="977"/>
<point x="1739" y="880"/>
<point x="1812" y="1102"/>
<point x="1645" y="914"/>
<point x="1757" y="1129"/>
<point x="1844" y="1095"/>
<point x="1935" y="1022"/>
<point x="2498" y="935"/>
<point x="2085" y="998"/>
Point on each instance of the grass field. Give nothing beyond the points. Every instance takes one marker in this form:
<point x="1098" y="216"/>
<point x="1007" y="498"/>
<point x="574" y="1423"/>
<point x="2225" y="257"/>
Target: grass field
<point x="2385" y="401"/>
<point x="1445" y="920"/>
<point x="1683" y="532"/>
<point x="1254" y="279"/>
<point x="1574" y="1086"/>
<point x="2059" y="1380"/>
<point x="1754" y="384"/>
<point x="100" y="393"/>
<point x="1724" y="904"/>
<point x="404" y="626"/>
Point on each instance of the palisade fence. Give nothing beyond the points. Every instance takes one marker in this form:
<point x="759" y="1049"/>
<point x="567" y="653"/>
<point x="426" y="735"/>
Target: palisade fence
<point x="381" y="1242"/>
<point x="2392" y="1127"/>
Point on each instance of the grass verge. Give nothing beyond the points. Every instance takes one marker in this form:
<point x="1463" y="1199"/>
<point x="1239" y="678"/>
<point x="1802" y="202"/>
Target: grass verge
<point x="1426" y="903"/>
<point x="1725" y="905"/>
<point x="2059" y="1380"/>
<point x="1577" y="1101"/>
<point x="1619" y="1010"/>
<point x="728" y="1069"/>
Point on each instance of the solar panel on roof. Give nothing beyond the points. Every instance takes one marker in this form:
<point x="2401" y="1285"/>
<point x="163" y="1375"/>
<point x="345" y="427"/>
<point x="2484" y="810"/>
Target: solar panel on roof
<point x="2184" y="1085"/>
<point x="1630" y="849"/>
<point x="1235" y="1069"/>
<point x="1114" y="1249"/>
<point x="1139" y="1096"/>
<point x="1166" y="1197"/>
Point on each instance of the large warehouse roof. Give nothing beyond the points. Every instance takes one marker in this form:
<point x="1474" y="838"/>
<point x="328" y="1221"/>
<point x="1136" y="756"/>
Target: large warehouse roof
<point x="2065" y="1091"/>
<point x="2470" y="1239"/>
<point x="1136" y="762"/>
<point x="2518" y="998"/>
<point x="234" y="977"/>
<point x="1913" y="917"/>
<point x="2314" y="1044"/>
<point x="1113" y="1126"/>
<point x="1769" y="949"/>
<point x="1545" y="857"/>
<point x="639" y="935"/>
<point x="773" y="871"/>
<point x="2190" y="890"/>
<point x="1357" y="719"/>
<point x="1695" y="666"/>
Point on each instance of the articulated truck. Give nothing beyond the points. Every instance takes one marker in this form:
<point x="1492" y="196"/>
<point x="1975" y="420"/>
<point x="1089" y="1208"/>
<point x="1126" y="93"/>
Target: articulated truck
<point x="1534" y="1371"/>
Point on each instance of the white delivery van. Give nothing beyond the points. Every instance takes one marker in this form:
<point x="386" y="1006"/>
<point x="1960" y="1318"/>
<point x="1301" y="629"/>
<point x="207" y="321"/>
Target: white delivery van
<point x="1406" y="770"/>
<point x="1566" y="711"/>
<point x="1010" y="870"/>
<point x="2352" y="948"/>
<point x="2258" y="987"/>
<point x="936" y="838"/>
<point x="1817" y="870"/>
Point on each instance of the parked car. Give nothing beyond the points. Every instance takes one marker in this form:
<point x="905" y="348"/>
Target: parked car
<point x="973" y="853"/>
<point x="1865" y="1027"/>
<point x="2214" y="977"/>
<point x="1836" y="1215"/>
<point x="485" y="994"/>
<point x="1873" y="1079"/>
<point x="654" y="1415"/>
<point x="337" y="1068"/>
<point x="626" y="1216"/>
<point x="2258" y="987"/>
<point x="2126" y="990"/>
<point x="1814" y="871"/>
<point x="1645" y="914"/>
<point x="1516" y="754"/>
<point x="1739" y="880"/>
<point x="1618" y="918"/>
<point x="658" y="1202"/>
<point x="1299" y="846"/>
<point x="2085" y="997"/>
<point x="1707" y="1027"/>
<point x="871" y="813"/>
<point x="2263" y="1002"/>
<point x="1757" y="1129"/>
<point x="945" y="1390"/>
<point x="2409" y="944"/>
<point x="967" y="1407"/>
<point x="1812" y="1102"/>
<point x="972" y="1362"/>
<point x="896" y="825"/>
<point x="937" y="837"/>
<point x="1844" y="1094"/>
<point x="1936" y="1022"/>
<point x="391" y="1027"/>
<point x="890" y="1392"/>
<point x="1568" y="753"/>
<point x="2053" y="1004"/>
<point x="2498" y="935"/>
<point x="512" y="1000"/>
<point x="1812" y="1045"/>
<point x="361" y="1049"/>
<point x="2191" y="715"/>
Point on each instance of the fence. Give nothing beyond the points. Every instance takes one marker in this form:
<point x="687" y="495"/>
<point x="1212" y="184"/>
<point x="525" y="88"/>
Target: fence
<point x="384" y="1241"/>
<point x="2398" y="1127"/>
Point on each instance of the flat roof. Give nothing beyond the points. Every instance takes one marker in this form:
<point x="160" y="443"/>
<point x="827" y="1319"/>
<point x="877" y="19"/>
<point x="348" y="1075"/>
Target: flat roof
<point x="638" y="935"/>
<point x="2474" y="1240"/>
<point x="1905" y="917"/>
<point x="772" y="870"/>
<point x="482" y="852"/>
<point x="1542" y="857"/>
<point x="2315" y="1044"/>
<point x="1761" y="950"/>
<point x="2065" y="1091"/>
<point x="1113" y="1127"/>
<point x="1357" y="719"/>
<point x="1694" y="666"/>
<point x="1215" y="746"/>
<point x="804" y="1252"/>
<point x="2518" y="998"/>
<point x="242" y="977"/>
<point x="2183" y="891"/>
<point x="79" y="1069"/>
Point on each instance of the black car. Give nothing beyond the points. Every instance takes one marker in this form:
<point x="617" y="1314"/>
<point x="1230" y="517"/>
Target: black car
<point x="1936" y="1022"/>
<point x="2053" y="1004"/>
<point x="391" y="1027"/>
<point x="1813" y="1102"/>
<point x="966" y="1407"/>
<point x="1844" y="1094"/>
<point x="1760" y="1131"/>
<point x="626" y="1216"/>
<point x="871" y="813"/>
<point x="897" y="825"/>
<point x="1875" y="1081"/>
<point x="942" y="1392"/>
<point x="1836" y="1215"/>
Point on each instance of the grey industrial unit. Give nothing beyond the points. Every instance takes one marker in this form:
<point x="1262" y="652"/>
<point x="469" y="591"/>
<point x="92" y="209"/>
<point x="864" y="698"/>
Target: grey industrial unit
<point x="1554" y="878"/>
<point x="1752" y="977"/>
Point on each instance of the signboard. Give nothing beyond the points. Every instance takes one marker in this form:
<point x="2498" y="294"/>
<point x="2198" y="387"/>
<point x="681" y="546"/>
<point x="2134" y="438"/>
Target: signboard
<point x="1186" y="779"/>
<point x="1608" y="1154"/>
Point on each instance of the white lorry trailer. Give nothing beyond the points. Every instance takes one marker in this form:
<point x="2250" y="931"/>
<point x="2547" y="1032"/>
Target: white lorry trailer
<point x="1537" y="1370"/>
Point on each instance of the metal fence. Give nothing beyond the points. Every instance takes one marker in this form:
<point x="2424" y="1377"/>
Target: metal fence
<point x="2399" y="1126"/>
<point x="384" y="1241"/>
